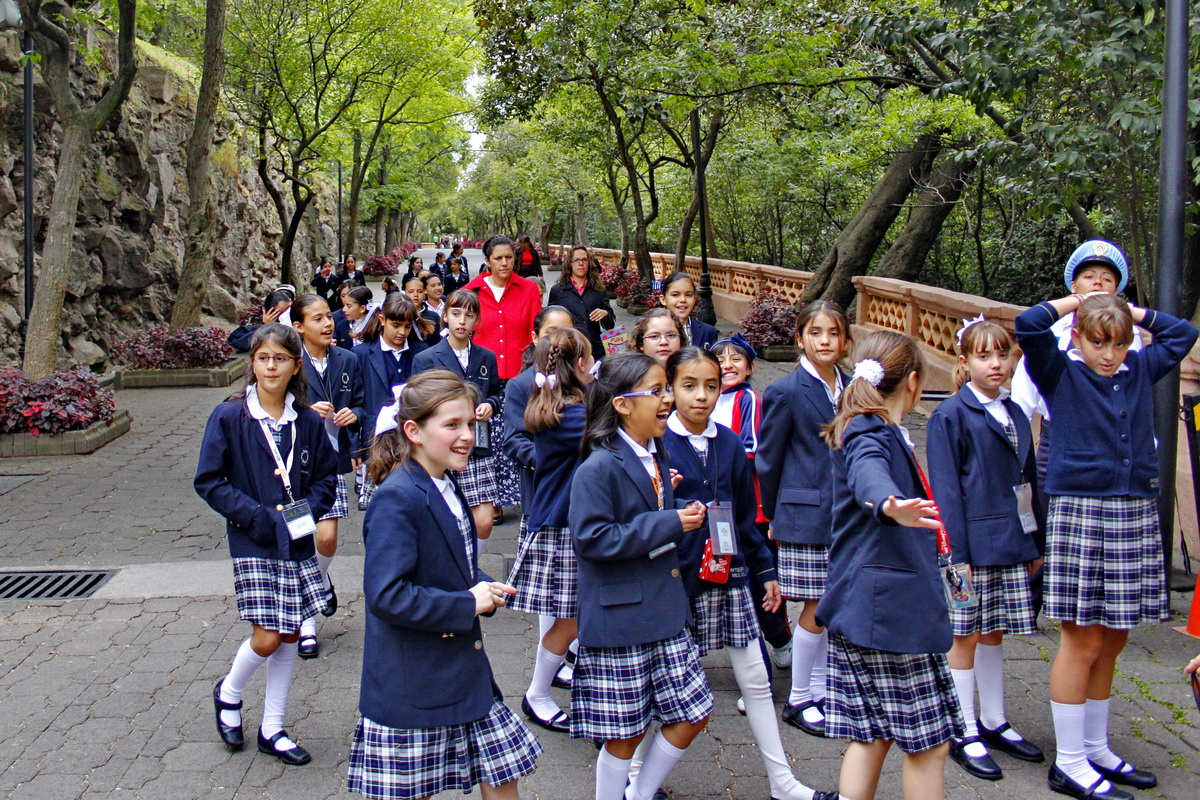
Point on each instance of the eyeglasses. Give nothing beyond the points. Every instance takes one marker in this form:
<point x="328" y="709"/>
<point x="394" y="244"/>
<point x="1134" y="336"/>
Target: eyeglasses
<point x="280" y="361"/>
<point x="659" y="337"/>
<point x="580" y="261"/>
<point x="647" y="393"/>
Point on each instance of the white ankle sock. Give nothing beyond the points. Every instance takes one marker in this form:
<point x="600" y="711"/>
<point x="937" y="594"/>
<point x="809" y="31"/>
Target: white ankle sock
<point x="1095" y="734"/>
<point x="1071" y="756"/>
<point x="964" y="686"/>
<point x="279" y="682"/>
<point x="660" y="760"/>
<point x="989" y="679"/>
<point x="611" y="775"/>
<point x="820" y="669"/>
<point x="308" y="627"/>
<point x="540" y="698"/>
<point x="323" y="563"/>
<point x="805" y="649"/>
<point x="751" y="675"/>
<point x="245" y="663"/>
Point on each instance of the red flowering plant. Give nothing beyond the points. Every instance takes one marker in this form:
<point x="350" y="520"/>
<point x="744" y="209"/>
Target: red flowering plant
<point x="611" y="275"/>
<point x="67" y="400"/>
<point x="770" y="320"/>
<point x="640" y="293"/>
<point x="382" y="265"/>
<point x="159" y="348"/>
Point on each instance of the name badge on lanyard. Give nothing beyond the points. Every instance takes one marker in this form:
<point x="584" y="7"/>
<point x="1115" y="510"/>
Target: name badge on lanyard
<point x="296" y="513"/>
<point x="1024" y="494"/>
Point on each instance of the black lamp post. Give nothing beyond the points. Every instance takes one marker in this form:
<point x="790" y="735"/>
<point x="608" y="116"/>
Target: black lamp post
<point x="704" y="307"/>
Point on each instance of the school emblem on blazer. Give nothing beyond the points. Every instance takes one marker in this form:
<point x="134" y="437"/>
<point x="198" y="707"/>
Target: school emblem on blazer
<point x="345" y="380"/>
<point x="483" y="370"/>
<point x="304" y="456"/>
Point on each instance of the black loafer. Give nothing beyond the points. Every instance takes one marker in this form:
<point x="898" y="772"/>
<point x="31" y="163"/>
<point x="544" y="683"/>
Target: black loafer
<point x="1137" y="778"/>
<point x="294" y="756"/>
<point x="331" y="602"/>
<point x="308" y="647"/>
<point x="1061" y="783"/>
<point x="819" y="795"/>
<point x="980" y="766"/>
<point x="562" y="683"/>
<point x="1022" y="749"/>
<point x="559" y="723"/>
<point x="794" y="716"/>
<point x="231" y="735"/>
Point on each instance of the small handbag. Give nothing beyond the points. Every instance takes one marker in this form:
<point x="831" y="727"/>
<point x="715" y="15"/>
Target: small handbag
<point x="714" y="569"/>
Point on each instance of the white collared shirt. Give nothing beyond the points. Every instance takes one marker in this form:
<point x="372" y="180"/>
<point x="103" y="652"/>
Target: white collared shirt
<point x="387" y="348"/>
<point x="321" y="364"/>
<point x="645" y="456"/>
<point x="254" y="406"/>
<point x="834" y="393"/>
<point x="994" y="406"/>
<point x="436" y="309"/>
<point x="698" y="441"/>
<point x="463" y="356"/>
<point x="447" y="492"/>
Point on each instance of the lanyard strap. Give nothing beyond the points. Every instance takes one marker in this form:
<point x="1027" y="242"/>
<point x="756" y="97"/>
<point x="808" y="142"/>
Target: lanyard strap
<point x="943" y="538"/>
<point x="283" y="469"/>
<point x="656" y="479"/>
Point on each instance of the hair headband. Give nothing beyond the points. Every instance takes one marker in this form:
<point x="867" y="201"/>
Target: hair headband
<point x="739" y="341"/>
<point x="966" y="324"/>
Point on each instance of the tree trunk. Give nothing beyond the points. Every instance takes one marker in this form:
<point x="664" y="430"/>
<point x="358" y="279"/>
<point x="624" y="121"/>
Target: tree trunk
<point x="581" y="236"/>
<point x="547" y="226"/>
<point x="286" y="271"/>
<point x="935" y="202"/>
<point x="855" y="246"/>
<point x="391" y="231"/>
<point x="273" y="191"/>
<point x="358" y="174"/>
<point x="685" y="231"/>
<point x="200" y="243"/>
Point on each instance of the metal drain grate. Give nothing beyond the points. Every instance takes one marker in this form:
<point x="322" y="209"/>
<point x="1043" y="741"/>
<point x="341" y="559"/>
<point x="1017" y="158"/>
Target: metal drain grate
<point x="51" y="584"/>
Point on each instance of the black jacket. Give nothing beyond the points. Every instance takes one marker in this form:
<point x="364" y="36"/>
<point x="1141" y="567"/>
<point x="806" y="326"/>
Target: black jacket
<point x="581" y="307"/>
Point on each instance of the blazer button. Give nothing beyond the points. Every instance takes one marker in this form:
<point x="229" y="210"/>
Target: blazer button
<point x="675" y="573"/>
<point x="478" y="645"/>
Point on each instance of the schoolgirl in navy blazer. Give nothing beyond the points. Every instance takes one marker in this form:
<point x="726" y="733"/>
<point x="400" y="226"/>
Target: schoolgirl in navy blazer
<point x="729" y="477"/>
<point x="792" y="459"/>
<point x="625" y="596"/>
<point x="518" y="444"/>
<point x="971" y="457"/>
<point x="701" y="333"/>
<point x="481" y="371"/>
<point x="341" y="331"/>
<point x="236" y="477"/>
<point x="420" y="610"/>
<point x="557" y="455"/>
<point x="342" y="386"/>
<point x="381" y="372"/>
<point x="884" y="590"/>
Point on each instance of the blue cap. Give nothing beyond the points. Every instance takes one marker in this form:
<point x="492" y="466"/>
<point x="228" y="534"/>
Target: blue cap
<point x="1097" y="251"/>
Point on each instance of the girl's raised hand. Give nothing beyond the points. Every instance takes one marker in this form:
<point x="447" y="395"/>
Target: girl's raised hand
<point x="915" y="513"/>
<point x="676" y="478"/>
<point x="271" y="315"/>
<point x="692" y="517"/>
<point x="773" y="598"/>
<point x="344" y="417"/>
<point x="324" y="408"/>
<point x="483" y="411"/>
<point x="485" y="598"/>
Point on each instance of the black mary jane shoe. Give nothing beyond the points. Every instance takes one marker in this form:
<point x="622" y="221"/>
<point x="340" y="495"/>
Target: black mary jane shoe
<point x="231" y="735"/>
<point x="308" y="647"/>
<point x="819" y="795"/>
<point x="562" y="683"/>
<point x="1060" y="782"/>
<point x="295" y="755"/>
<point x="559" y="723"/>
<point x="979" y="766"/>
<point x="331" y="602"/>
<point x="1137" y="778"/>
<point x="794" y="716"/>
<point x="1022" y="749"/>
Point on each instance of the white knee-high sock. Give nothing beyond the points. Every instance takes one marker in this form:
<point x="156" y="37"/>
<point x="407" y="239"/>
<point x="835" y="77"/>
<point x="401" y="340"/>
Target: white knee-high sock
<point x="540" y="698"/>
<point x="751" y="676"/>
<point x="805" y="646"/>
<point x="820" y="669"/>
<point x="245" y="664"/>
<point x="1071" y="756"/>
<point x="611" y="775"/>
<point x="661" y="758"/>
<point x="1095" y="734"/>
<point x="545" y="622"/>
<point x="323" y="563"/>
<point x="280" y="666"/>
<point x="964" y="685"/>
<point x="480" y="547"/>
<point x="989" y="679"/>
<point x="574" y="646"/>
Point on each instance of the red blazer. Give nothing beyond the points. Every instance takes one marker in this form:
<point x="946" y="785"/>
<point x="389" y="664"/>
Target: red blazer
<point x="506" y="327"/>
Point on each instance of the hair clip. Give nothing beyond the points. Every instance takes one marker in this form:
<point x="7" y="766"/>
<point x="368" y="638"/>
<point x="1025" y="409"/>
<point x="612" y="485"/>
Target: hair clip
<point x="868" y="370"/>
<point x="389" y="416"/>
<point x="542" y="379"/>
<point x="966" y="324"/>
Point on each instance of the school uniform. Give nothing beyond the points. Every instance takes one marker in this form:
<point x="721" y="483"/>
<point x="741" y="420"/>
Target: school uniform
<point x="433" y="319"/>
<point x="700" y="334"/>
<point x="1104" y="561"/>
<point x="239" y="338"/>
<point x="276" y="578"/>
<point x="337" y="381"/>
<point x="979" y="449"/>
<point x="341" y="331"/>
<point x="795" y="478"/>
<point x="739" y="409"/>
<point x="383" y="368"/>
<point x="517" y="443"/>
<point x="636" y="659"/>
<point x="452" y="282"/>
<point x="433" y="718"/>
<point x="581" y="305"/>
<point x="885" y="608"/>
<point x="478" y="480"/>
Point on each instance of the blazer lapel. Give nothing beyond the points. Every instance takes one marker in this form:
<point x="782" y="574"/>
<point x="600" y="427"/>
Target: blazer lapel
<point x="446" y="521"/>
<point x="637" y="473"/>
<point x="1024" y="434"/>
<point x="973" y="402"/>
<point x="816" y="396"/>
<point x="316" y="386"/>
<point x="380" y="365"/>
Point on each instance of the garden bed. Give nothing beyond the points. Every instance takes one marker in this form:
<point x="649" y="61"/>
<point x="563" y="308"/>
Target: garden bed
<point x="780" y="353"/>
<point x="89" y="440"/>
<point x="221" y="375"/>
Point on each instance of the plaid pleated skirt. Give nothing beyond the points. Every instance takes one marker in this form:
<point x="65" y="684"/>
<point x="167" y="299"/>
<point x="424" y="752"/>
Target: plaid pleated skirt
<point x="546" y="575"/>
<point x="723" y="617"/>
<point x="341" y="502"/>
<point x="906" y="697"/>
<point x="617" y="692"/>
<point x="1005" y="603"/>
<point x="478" y="480"/>
<point x="389" y="763"/>
<point x="508" y="472"/>
<point x="368" y="491"/>
<point x="278" y="595"/>
<point x="1104" y="562"/>
<point x="803" y="570"/>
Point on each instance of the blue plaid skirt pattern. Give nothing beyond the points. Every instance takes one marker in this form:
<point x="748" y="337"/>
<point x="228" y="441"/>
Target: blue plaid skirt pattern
<point x="803" y="570"/>
<point x="1005" y="603"/>
<point x="387" y="763"/>
<point x="617" y="692"/>
<point x="478" y="480"/>
<point x="341" y="502"/>
<point x="907" y="697"/>
<point x="368" y="491"/>
<point x="278" y="595"/>
<point x="508" y="473"/>
<point x="723" y="617"/>
<point x="546" y="575"/>
<point x="1104" y="562"/>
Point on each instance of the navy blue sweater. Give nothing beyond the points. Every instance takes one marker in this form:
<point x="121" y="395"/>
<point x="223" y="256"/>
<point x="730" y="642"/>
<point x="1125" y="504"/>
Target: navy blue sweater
<point x="1103" y="444"/>
<point x="557" y="452"/>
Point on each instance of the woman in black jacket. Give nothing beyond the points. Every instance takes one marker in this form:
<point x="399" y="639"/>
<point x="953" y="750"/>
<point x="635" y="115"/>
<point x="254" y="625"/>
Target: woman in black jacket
<point x="580" y="291"/>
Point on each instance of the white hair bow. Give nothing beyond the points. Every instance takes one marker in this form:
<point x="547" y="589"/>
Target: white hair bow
<point x="389" y="416"/>
<point x="869" y="370"/>
<point x="542" y="379"/>
<point x="966" y="324"/>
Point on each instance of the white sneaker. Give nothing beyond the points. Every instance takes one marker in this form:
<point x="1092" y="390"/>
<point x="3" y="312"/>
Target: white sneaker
<point x="781" y="657"/>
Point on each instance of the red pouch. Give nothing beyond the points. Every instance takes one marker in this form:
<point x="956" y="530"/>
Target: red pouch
<point x="714" y="569"/>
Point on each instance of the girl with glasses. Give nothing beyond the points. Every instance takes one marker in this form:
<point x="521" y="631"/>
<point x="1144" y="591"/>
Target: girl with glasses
<point x="658" y="333"/>
<point x="580" y="291"/>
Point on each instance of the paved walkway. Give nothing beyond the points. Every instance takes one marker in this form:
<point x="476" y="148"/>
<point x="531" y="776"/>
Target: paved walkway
<point x="110" y="696"/>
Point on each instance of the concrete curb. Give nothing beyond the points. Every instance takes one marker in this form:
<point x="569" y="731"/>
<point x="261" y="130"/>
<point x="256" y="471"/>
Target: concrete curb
<point x="24" y="445"/>
<point x="219" y="376"/>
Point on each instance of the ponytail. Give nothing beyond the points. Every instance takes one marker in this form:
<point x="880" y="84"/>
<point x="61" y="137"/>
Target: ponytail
<point x="883" y="360"/>
<point x="557" y="383"/>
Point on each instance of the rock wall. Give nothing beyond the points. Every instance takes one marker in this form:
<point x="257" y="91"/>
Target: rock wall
<point x="129" y="236"/>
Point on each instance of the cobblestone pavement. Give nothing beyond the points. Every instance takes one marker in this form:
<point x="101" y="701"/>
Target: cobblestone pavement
<point x="110" y="696"/>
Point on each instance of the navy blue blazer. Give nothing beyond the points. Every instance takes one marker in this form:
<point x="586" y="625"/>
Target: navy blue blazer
<point x="452" y="282"/>
<point x="626" y="597"/>
<point x="972" y="471"/>
<point x="380" y="372"/>
<point x="435" y="335"/>
<point x="884" y="591"/>
<point x="793" y="461"/>
<point x="728" y="477"/>
<point x="236" y="477"/>
<point x="481" y="371"/>
<point x="423" y="659"/>
<point x="557" y="456"/>
<point x="341" y="330"/>
<point x="517" y="442"/>
<point x="703" y="334"/>
<point x="341" y="385"/>
<point x="239" y="338"/>
<point x="1103" y="443"/>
